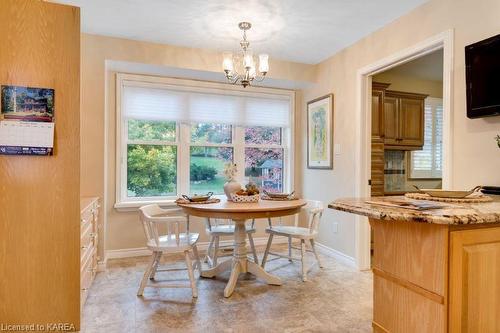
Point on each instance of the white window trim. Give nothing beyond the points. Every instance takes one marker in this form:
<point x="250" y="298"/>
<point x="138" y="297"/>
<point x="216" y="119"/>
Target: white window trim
<point x="122" y="202"/>
<point x="432" y="174"/>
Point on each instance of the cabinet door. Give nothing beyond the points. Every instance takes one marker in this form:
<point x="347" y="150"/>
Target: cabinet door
<point x="475" y="281"/>
<point x="377" y="114"/>
<point x="411" y="112"/>
<point x="391" y="121"/>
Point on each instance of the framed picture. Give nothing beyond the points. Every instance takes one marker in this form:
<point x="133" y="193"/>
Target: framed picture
<point x="320" y="133"/>
<point x="27" y="104"/>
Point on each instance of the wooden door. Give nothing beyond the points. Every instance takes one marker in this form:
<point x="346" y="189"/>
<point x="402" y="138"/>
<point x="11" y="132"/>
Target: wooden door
<point x="391" y="120"/>
<point x="378" y="94"/>
<point x="412" y="121"/>
<point x="40" y="195"/>
<point x="475" y="281"/>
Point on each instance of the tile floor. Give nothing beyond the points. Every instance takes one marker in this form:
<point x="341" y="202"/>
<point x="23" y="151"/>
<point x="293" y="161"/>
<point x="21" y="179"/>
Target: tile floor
<point x="336" y="298"/>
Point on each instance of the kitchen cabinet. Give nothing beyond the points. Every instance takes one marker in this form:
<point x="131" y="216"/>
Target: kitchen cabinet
<point x="404" y="120"/>
<point x="377" y="152"/>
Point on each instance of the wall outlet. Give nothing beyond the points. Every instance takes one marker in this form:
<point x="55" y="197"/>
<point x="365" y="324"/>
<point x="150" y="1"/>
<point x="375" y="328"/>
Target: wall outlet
<point x="335" y="227"/>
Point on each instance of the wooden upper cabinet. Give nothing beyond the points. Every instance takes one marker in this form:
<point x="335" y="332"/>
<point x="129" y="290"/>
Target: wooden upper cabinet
<point x="391" y="120"/>
<point x="378" y="96"/>
<point x="404" y="120"/>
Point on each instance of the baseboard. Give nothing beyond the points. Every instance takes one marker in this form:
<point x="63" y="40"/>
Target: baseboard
<point x="342" y="257"/>
<point x="202" y="246"/>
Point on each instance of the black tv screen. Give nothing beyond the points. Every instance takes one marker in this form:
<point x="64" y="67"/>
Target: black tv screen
<point x="482" y="62"/>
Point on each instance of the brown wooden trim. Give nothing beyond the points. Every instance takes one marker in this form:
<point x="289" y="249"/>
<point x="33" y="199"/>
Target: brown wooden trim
<point x="380" y="85"/>
<point x="378" y="328"/>
<point x="404" y="94"/>
<point x="410" y="286"/>
<point x="389" y="147"/>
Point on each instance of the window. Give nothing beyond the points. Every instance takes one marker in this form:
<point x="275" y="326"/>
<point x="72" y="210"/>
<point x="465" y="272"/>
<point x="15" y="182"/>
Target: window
<point x="427" y="163"/>
<point x="174" y="137"/>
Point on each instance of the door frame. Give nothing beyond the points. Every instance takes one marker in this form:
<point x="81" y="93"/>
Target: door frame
<point x="443" y="40"/>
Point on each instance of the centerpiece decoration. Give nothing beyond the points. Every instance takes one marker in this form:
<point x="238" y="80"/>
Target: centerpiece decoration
<point x="231" y="186"/>
<point x="249" y="194"/>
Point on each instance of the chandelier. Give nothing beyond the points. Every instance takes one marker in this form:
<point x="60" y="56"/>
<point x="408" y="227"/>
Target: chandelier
<point x="241" y="67"/>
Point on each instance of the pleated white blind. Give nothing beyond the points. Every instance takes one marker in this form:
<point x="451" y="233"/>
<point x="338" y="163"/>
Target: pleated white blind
<point x="427" y="163"/>
<point x="181" y="105"/>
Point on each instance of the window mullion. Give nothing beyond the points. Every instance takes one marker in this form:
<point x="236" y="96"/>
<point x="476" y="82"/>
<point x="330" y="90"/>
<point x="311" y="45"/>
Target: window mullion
<point x="239" y="152"/>
<point x="183" y="167"/>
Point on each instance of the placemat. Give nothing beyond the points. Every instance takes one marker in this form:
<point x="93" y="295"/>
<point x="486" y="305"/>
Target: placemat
<point x="424" y="196"/>
<point x="187" y="202"/>
<point x="265" y="197"/>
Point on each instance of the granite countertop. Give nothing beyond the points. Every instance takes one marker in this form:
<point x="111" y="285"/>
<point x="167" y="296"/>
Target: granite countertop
<point x="452" y="213"/>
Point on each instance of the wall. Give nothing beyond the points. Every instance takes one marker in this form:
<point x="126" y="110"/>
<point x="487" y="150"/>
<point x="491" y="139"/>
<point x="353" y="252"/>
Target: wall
<point x="98" y="116"/>
<point x="410" y="84"/>
<point x="476" y="158"/>
<point x="39" y="195"/>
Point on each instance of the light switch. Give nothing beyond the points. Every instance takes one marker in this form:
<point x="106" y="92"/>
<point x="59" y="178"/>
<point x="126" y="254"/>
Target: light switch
<point x="337" y="149"/>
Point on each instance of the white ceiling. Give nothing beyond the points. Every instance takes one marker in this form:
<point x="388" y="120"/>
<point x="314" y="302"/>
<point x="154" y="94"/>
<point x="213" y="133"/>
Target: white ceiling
<point x="428" y="67"/>
<point x="306" y="31"/>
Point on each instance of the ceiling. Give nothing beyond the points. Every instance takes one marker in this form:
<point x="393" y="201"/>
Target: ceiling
<point x="428" y="67"/>
<point x="306" y="31"/>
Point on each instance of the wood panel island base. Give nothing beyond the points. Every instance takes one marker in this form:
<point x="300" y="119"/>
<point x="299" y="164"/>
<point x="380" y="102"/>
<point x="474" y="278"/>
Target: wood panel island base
<point x="436" y="270"/>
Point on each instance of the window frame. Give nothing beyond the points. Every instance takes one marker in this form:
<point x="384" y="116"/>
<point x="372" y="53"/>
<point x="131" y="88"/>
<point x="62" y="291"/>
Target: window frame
<point x="183" y="138"/>
<point x="432" y="174"/>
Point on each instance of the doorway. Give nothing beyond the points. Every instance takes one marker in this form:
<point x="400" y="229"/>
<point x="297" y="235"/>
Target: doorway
<point x="439" y="43"/>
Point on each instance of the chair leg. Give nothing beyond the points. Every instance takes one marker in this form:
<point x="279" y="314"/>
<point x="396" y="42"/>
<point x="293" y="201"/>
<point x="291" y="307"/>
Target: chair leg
<point x="316" y="253"/>
<point x="147" y="274"/>
<point x="197" y="258"/>
<point x="191" y="274"/>
<point x="155" y="265"/>
<point x="216" y="251"/>
<point x="252" y="245"/>
<point x="303" y="259"/>
<point x="290" y="249"/>
<point x="210" y="246"/>
<point x="268" y="247"/>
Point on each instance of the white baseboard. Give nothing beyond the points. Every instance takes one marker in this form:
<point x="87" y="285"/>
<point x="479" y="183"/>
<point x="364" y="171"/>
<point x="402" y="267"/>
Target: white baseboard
<point x="202" y="246"/>
<point x="343" y="258"/>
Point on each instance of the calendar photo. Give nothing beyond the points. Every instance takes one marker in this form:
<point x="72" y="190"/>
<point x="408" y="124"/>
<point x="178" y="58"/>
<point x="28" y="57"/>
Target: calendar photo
<point x="27" y="104"/>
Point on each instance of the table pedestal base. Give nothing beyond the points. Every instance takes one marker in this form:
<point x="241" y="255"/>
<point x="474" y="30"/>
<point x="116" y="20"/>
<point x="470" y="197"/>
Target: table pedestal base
<point x="239" y="263"/>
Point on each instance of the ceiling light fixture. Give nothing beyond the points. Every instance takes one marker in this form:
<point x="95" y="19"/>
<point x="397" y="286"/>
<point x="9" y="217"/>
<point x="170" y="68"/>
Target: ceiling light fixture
<point x="245" y="72"/>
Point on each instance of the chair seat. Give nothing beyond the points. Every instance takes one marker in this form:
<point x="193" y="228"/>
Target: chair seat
<point x="226" y="230"/>
<point x="294" y="232"/>
<point x="186" y="241"/>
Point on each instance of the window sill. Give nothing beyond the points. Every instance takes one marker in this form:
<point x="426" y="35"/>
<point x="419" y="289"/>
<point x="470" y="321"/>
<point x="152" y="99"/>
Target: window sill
<point x="132" y="206"/>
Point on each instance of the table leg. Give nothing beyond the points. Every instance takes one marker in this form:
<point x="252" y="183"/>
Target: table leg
<point x="240" y="263"/>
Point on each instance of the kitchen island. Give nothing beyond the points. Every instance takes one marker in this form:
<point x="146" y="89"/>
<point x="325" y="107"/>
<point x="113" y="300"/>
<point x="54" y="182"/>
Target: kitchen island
<point x="435" y="270"/>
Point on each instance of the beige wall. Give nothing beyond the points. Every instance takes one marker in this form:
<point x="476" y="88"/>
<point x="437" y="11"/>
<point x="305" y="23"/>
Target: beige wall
<point x="476" y="158"/>
<point x="410" y="84"/>
<point x="98" y="99"/>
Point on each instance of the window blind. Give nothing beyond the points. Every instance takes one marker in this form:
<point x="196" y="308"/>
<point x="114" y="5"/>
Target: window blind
<point x="427" y="163"/>
<point x="188" y="106"/>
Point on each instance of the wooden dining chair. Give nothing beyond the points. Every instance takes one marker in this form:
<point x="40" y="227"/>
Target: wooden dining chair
<point x="217" y="228"/>
<point x="173" y="241"/>
<point x="314" y="211"/>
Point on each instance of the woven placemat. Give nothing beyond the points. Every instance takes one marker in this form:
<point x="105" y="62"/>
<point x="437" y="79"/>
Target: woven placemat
<point x="265" y="197"/>
<point x="187" y="202"/>
<point x="425" y="196"/>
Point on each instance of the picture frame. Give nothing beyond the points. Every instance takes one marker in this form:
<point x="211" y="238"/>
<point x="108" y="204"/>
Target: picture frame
<point x="320" y="133"/>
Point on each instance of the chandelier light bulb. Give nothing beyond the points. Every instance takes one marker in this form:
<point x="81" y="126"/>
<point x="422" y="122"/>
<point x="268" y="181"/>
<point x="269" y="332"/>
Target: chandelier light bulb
<point x="263" y="63"/>
<point x="227" y="63"/>
<point x="248" y="60"/>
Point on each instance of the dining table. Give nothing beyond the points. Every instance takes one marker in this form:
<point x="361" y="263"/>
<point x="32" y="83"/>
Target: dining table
<point x="239" y="213"/>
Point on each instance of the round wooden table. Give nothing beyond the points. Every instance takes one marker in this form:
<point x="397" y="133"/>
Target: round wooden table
<point x="239" y="213"/>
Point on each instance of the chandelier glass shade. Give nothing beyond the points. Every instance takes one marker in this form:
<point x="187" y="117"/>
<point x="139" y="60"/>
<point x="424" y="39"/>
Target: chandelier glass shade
<point x="243" y="68"/>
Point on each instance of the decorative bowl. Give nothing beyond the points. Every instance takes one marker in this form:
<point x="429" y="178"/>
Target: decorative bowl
<point x="198" y="197"/>
<point x="279" y="195"/>
<point x="448" y="194"/>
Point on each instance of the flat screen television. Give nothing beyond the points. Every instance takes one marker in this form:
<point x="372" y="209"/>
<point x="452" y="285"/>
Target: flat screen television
<point x="482" y="61"/>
